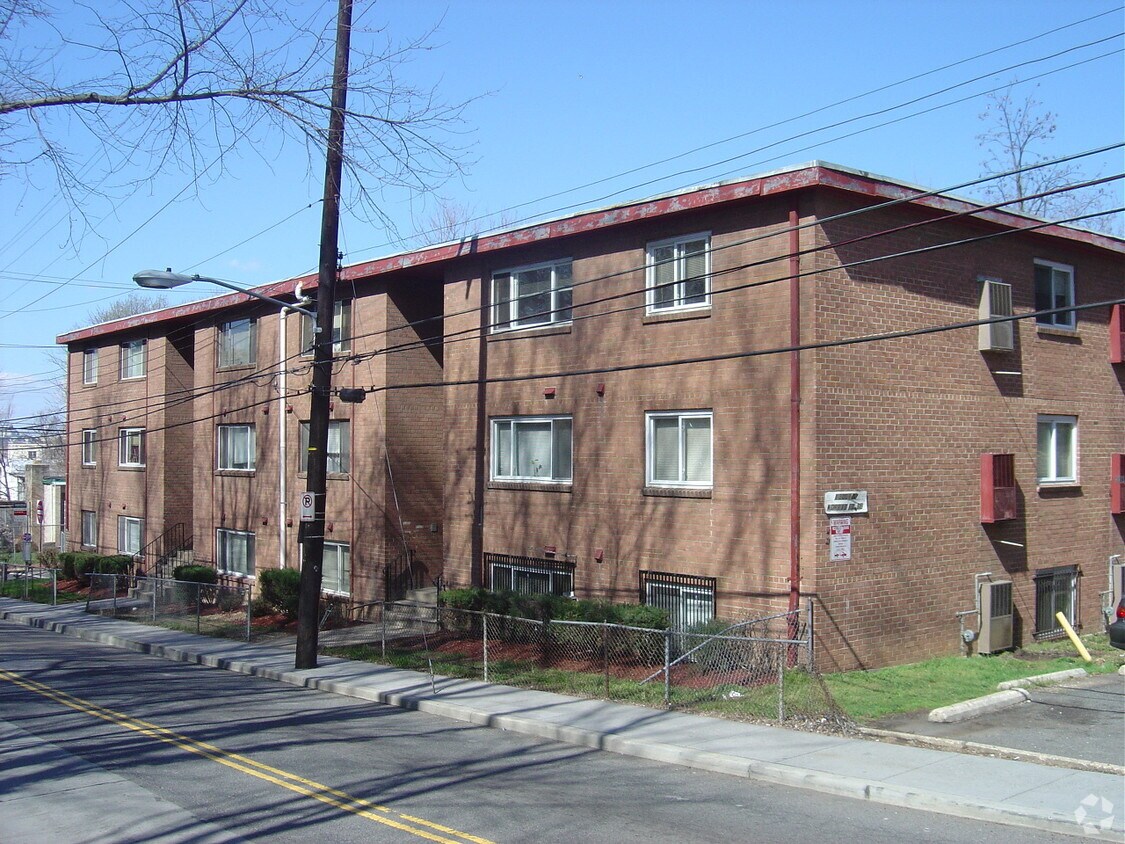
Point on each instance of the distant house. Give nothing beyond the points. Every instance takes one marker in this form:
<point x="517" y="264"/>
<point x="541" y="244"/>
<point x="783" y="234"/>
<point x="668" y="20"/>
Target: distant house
<point x="724" y="401"/>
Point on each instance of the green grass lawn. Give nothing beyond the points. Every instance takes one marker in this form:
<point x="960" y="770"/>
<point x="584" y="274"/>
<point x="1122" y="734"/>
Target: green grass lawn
<point x="868" y="695"/>
<point x="38" y="591"/>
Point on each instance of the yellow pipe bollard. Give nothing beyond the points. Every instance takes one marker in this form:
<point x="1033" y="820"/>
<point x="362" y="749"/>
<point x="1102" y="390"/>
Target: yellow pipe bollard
<point x="1074" y="640"/>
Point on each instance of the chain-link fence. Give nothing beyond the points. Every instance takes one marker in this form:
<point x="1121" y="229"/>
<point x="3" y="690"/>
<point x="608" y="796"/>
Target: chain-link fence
<point x="761" y="668"/>
<point x="208" y="608"/>
<point x="30" y="583"/>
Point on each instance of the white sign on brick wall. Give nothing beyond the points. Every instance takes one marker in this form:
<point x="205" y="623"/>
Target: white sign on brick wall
<point x="839" y="539"/>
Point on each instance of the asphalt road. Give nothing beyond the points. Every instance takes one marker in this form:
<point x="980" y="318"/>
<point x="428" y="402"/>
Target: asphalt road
<point x="1084" y="719"/>
<point x="270" y="762"/>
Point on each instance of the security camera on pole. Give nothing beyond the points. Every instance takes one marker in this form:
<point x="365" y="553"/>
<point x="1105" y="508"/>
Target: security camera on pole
<point x="308" y="606"/>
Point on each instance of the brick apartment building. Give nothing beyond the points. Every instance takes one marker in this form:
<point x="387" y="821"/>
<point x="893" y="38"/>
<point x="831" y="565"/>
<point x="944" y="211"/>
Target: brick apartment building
<point x="611" y="405"/>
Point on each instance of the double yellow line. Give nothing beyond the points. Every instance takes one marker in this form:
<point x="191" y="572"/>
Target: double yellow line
<point x="308" y="788"/>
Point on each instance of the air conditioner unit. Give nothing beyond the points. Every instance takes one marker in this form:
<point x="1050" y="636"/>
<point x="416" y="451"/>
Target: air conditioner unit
<point x="999" y="498"/>
<point x="995" y="301"/>
<point x="995" y="616"/>
<point x="1117" y="483"/>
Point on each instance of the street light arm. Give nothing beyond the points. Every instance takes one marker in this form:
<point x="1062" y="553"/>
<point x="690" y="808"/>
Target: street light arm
<point x="166" y="280"/>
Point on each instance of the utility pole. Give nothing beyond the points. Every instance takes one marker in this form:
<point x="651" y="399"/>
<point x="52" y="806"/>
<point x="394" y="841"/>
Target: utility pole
<point x="308" y="608"/>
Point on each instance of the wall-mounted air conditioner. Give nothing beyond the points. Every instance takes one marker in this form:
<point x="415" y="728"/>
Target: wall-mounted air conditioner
<point x="995" y="616"/>
<point x="1117" y="483"/>
<point x="995" y="301"/>
<point x="999" y="499"/>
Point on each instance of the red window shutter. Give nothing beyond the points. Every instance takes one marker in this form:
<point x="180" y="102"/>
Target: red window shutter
<point x="1117" y="334"/>
<point x="998" y="500"/>
<point x="1117" y="483"/>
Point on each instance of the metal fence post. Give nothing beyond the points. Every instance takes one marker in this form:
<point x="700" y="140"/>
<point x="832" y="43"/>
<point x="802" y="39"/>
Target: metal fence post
<point x="54" y="587"/>
<point x="484" y="628"/>
<point x="668" y="666"/>
<point x="605" y="657"/>
<point x="198" y="601"/>
<point x="248" y="595"/>
<point x="155" y="586"/>
<point x="383" y="634"/>
<point x="781" y="690"/>
<point x="113" y="586"/>
<point x="809" y="636"/>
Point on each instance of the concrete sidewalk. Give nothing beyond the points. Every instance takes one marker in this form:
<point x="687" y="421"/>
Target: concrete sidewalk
<point x="1018" y="793"/>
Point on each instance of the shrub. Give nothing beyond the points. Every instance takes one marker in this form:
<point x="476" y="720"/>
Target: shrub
<point x="259" y="608"/>
<point x="281" y="589"/>
<point x="195" y="574"/>
<point x="228" y="600"/>
<point x="70" y="561"/>
<point x="87" y="564"/>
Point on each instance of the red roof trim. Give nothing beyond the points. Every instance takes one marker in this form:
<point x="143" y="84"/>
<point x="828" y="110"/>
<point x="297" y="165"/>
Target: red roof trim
<point x="813" y="176"/>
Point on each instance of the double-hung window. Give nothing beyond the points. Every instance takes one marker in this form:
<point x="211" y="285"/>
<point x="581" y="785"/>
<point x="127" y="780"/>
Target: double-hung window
<point x="234" y="551"/>
<point x="90" y="366"/>
<point x="89" y="447"/>
<point x="1054" y="288"/>
<point x="678" y="276"/>
<point x="89" y="529"/>
<point x="678" y="448"/>
<point x="526" y="297"/>
<point x="131" y="447"/>
<point x="237" y="448"/>
<point x="339" y="447"/>
<point x="130" y="530"/>
<point x="1057" y="453"/>
<point x="132" y="359"/>
<point x="341" y="329"/>
<point x="238" y="343"/>
<point x="533" y="448"/>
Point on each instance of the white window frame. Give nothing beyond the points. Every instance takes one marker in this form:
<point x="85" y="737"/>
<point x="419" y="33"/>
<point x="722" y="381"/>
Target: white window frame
<point x="124" y="435"/>
<point x="89" y="523"/>
<point x="89" y="367"/>
<point x="506" y="309"/>
<point x="339" y="447"/>
<point x="562" y="425"/>
<point x="124" y="523"/>
<point x="225" y="447"/>
<point x="90" y="447"/>
<point x="237" y="343"/>
<point x="650" y="448"/>
<point x="224" y="540"/>
<point x="336" y="568"/>
<point x="1047" y="428"/>
<point x="1062" y="275"/>
<point x="341" y="329"/>
<point x="133" y="360"/>
<point x="678" y="303"/>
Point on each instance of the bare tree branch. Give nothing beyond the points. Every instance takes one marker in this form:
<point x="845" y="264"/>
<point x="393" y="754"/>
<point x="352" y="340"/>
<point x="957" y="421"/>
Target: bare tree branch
<point x="159" y="84"/>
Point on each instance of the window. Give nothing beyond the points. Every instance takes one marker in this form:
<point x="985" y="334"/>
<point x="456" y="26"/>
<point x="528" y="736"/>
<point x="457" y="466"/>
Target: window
<point x="688" y="599"/>
<point x="133" y="359"/>
<point x="32" y="454"/>
<point x="532" y="449"/>
<point x="339" y="447"/>
<point x="341" y="330"/>
<point x="678" y="449"/>
<point x="234" y="550"/>
<point x="131" y="447"/>
<point x="90" y="366"/>
<point x="238" y="343"/>
<point x="1057" y="456"/>
<point x="1054" y="288"/>
<point x="237" y="451"/>
<point x="678" y="274"/>
<point x="1056" y="590"/>
<point x="336" y="572"/>
<point x="129" y="533"/>
<point x="89" y="529"/>
<point x="529" y="575"/>
<point x="530" y="296"/>
<point x="89" y="447"/>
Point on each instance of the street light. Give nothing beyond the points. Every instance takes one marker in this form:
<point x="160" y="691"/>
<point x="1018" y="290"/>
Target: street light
<point x="167" y="280"/>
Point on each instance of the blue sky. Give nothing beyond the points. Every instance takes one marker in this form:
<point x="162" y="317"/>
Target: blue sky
<point x="565" y="94"/>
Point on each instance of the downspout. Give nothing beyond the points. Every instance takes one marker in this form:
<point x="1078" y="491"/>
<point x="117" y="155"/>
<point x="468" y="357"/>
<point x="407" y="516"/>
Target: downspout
<point x="282" y="465"/>
<point x="794" y="416"/>
<point x="65" y="539"/>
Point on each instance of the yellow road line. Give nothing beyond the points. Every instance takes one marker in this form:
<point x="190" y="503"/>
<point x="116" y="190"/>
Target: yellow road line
<point x="309" y="788"/>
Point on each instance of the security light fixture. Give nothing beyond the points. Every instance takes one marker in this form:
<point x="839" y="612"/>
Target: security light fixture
<point x="167" y="280"/>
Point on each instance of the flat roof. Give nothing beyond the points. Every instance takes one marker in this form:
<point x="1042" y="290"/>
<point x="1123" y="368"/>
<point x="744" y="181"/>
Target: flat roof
<point x="798" y="177"/>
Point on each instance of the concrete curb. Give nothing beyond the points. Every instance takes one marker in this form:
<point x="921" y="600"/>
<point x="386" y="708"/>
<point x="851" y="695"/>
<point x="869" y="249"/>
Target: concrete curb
<point x="995" y="702"/>
<point x="424" y="700"/>
<point x="1043" y="679"/>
